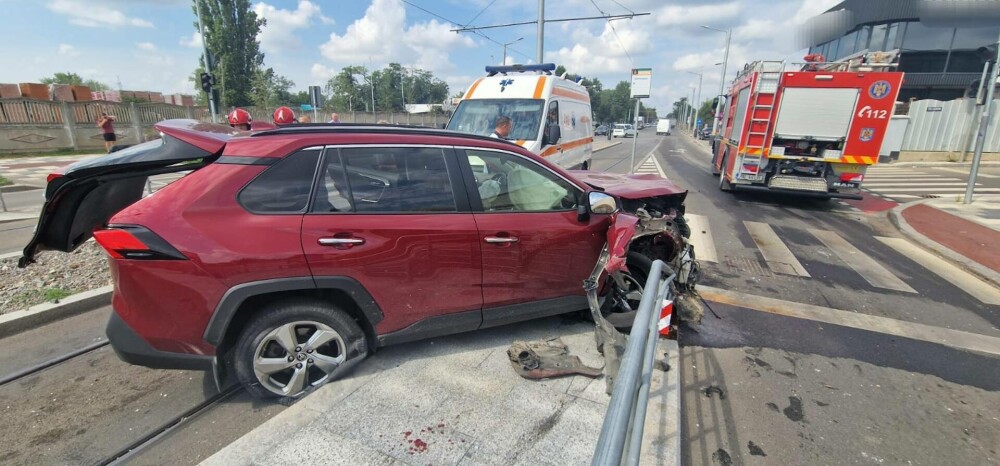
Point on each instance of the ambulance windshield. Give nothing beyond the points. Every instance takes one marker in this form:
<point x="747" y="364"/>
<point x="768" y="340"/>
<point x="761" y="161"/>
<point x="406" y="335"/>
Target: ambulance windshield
<point x="478" y="117"/>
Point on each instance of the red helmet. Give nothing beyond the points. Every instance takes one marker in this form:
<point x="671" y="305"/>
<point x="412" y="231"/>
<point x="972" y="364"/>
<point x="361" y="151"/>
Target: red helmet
<point x="284" y="116"/>
<point x="239" y="117"/>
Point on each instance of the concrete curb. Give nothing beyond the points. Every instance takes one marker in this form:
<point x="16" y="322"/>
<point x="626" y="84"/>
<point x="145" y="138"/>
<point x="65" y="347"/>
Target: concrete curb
<point x="41" y="314"/>
<point x="613" y="144"/>
<point x="973" y="267"/>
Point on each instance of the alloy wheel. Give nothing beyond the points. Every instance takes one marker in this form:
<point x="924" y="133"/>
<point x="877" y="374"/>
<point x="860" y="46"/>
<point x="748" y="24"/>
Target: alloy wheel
<point x="298" y="355"/>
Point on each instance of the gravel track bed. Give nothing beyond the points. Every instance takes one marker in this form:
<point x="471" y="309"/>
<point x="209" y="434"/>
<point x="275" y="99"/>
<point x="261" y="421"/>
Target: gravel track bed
<point x="54" y="276"/>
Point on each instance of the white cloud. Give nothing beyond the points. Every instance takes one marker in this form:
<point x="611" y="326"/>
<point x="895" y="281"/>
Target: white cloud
<point x="83" y="13"/>
<point x="194" y="41"/>
<point x="321" y="73"/>
<point x="382" y="36"/>
<point x="675" y="15"/>
<point x="279" y="32"/>
<point x="146" y="46"/>
<point x="68" y="50"/>
<point x="597" y="54"/>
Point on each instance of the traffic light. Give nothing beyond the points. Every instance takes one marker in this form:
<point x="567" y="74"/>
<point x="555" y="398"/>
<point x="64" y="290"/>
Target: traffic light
<point x="207" y="81"/>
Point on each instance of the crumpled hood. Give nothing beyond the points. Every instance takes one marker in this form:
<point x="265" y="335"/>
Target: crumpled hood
<point x="630" y="186"/>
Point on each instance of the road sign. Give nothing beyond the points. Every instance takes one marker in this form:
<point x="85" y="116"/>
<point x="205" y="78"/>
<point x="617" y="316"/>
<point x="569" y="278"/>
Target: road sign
<point x="641" y="79"/>
<point x="315" y="97"/>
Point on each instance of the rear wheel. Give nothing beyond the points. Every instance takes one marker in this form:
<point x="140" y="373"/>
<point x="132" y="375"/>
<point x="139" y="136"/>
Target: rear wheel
<point x="724" y="184"/>
<point x="296" y="346"/>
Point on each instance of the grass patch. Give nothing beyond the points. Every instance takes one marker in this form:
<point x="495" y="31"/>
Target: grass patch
<point x="55" y="294"/>
<point x="66" y="152"/>
<point x="5" y="181"/>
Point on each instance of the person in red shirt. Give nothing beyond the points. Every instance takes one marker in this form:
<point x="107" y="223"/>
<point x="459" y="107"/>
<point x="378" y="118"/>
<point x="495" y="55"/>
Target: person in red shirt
<point x="106" y="123"/>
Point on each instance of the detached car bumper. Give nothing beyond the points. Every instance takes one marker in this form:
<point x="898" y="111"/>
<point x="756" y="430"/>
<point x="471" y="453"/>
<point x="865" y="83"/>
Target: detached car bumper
<point x="131" y="348"/>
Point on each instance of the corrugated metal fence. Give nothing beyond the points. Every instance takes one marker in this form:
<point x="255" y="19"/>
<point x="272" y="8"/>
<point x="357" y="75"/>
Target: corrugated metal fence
<point x="937" y="126"/>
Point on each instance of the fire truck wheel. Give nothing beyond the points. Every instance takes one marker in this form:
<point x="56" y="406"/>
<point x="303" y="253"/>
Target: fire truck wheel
<point x="724" y="185"/>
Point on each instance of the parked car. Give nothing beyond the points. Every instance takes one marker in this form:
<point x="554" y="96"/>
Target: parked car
<point x="704" y="133"/>
<point x="622" y="130"/>
<point x="286" y="256"/>
<point x="601" y="130"/>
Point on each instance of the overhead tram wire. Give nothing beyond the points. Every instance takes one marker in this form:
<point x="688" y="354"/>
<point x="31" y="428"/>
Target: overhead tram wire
<point x="623" y="6"/>
<point x="484" y="36"/>
<point x="480" y="13"/>
<point x="614" y="31"/>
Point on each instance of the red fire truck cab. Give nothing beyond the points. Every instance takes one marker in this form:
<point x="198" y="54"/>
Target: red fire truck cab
<point x="811" y="132"/>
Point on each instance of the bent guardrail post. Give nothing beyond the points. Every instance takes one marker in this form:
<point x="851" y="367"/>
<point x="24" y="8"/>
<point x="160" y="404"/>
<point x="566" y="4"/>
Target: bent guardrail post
<point x="623" y="423"/>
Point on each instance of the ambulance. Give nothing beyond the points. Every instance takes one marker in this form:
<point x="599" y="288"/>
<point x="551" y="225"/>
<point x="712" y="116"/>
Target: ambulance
<point x="551" y="115"/>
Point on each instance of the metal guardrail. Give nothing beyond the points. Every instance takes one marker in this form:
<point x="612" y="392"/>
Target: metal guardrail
<point x="621" y="434"/>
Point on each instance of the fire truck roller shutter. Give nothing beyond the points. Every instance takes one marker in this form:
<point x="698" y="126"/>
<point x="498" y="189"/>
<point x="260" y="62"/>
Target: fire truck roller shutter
<point x="818" y="113"/>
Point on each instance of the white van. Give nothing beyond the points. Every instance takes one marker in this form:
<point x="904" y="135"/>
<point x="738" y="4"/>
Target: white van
<point x="551" y="114"/>
<point x="662" y="126"/>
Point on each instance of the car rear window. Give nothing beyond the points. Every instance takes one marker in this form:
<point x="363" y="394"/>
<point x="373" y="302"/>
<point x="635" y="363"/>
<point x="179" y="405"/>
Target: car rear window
<point x="284" y="187"/>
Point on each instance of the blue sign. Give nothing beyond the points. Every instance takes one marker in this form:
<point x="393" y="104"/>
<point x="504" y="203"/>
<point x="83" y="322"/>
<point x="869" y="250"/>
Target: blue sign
<point x="879" y="89"/>
<point x="306" y="107"/>
<point x="504" y="83"/>
<point x="698" y="121"/>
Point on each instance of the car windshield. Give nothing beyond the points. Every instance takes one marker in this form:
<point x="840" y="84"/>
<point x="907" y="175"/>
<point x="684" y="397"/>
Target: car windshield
<point x="479" y="116"/>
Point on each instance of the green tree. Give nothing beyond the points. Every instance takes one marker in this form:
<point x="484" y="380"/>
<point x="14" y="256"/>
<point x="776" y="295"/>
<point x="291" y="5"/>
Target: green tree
<point x="680" y="109"/>
<point x="395" y="85"/>
<point x="271" y="89"/>
<point x="345" y="90"/>
<point x="231" y="29"/>
<point x="706" y="111"/>
<point x="74" y="79"/>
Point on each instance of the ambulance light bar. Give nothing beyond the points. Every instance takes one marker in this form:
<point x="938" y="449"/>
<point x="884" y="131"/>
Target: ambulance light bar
<point x="547" y="68"/>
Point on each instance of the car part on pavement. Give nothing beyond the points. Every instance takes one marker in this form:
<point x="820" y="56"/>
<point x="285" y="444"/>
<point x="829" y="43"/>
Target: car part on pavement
<point x="544" y="359"/>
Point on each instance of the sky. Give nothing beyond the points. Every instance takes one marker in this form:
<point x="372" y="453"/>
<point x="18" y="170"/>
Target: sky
<point x="153" y="44"/>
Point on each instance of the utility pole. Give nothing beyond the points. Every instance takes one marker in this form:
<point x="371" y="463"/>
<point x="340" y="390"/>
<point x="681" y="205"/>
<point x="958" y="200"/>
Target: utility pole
<point x="208" y="67"/>
<point x="697" y="100"/>
<point x="722" y="84"/>
<point x="693" y="115"/>
<point x="635" y="137"/>
<point x="984" y="121"/>
<point x="540" y="46"/>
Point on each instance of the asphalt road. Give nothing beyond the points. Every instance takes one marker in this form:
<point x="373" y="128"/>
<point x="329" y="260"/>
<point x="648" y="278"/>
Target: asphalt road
<point x="761" y="388"/>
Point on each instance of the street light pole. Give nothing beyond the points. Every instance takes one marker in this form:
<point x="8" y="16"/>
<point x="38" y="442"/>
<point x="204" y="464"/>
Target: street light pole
<point x="722" y="84"/>
<point x="504" y="62"/>
<point x="984" y="121"/>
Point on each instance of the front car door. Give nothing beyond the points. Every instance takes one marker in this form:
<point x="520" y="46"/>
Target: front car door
<point x="535" y="251"/>
<point x="397" y="220"/>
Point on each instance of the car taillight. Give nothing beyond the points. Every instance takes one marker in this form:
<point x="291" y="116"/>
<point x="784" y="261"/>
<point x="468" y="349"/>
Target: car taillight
<point x="135" y="242"/>
<point x="52" y="176"/>
<point x="852" y="177"/>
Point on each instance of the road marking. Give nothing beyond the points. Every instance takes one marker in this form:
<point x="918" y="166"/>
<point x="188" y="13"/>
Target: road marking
<point x="873" y="272"/>
<point x="777" y="255"/>
<point x="966" y="172"/>
<point x="930" y="333"/>
<point x="701" y="238"/>
<point x="944" y="189"/>
<point x="915" y="183"/>
<point x="958" y="277"/>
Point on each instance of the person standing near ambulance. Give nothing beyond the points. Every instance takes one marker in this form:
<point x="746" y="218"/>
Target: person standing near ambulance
<point x="502" y="127"/>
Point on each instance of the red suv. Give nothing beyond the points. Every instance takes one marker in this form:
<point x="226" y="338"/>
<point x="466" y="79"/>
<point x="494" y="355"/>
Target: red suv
<point x="287" y="255"/>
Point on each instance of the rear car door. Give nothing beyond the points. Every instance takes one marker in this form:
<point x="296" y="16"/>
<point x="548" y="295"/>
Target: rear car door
<point x="397" y="220"/>
<point x="86" y="194"/>
<point x="536" y="252"/>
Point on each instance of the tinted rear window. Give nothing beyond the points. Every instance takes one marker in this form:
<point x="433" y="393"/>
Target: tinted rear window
<point x="284" y="187"/>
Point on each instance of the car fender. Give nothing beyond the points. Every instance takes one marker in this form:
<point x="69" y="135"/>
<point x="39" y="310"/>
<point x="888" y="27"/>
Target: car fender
<point x="231" y="301"/>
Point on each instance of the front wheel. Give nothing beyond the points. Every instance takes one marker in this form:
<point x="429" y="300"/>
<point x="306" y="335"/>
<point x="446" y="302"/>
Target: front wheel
<point x="295" y="347"/>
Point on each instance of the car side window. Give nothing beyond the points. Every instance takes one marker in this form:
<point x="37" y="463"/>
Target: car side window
<point x="284" y="187"/>
<point x="333" y="194"/>
<point x="510" y="183"/>
<point x="389" y="179"/>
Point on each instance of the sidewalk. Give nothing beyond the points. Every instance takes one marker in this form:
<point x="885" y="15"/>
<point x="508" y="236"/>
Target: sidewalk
<point x="32" y="171"/>
<point x="966" y="234"/>
<point x="456" y="400"/>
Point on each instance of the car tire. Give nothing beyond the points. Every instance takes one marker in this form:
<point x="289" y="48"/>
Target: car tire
<point x="724" y="185"/>
<point x="270" y="368"/>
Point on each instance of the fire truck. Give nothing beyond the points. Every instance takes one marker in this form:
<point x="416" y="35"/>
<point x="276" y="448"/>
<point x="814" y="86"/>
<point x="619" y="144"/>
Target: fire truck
<point x="812" y="131"/>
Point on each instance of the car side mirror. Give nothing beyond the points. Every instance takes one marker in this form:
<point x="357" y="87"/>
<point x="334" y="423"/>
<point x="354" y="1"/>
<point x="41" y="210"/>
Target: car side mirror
<point x="601" y="203"/>
<point x="552" y="134"/>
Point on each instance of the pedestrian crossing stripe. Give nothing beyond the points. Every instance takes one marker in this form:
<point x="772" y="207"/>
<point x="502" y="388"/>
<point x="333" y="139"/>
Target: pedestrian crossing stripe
<point x="780" y="259"/>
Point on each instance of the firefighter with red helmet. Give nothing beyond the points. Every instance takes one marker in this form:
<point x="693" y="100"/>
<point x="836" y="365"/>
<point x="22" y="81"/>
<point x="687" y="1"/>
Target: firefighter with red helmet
<point x="240" y="119"/>
<point x="284" y="116"/>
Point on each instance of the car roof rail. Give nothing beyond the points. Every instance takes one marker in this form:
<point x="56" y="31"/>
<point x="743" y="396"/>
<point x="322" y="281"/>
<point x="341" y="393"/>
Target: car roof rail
<point x="320" y="128"/>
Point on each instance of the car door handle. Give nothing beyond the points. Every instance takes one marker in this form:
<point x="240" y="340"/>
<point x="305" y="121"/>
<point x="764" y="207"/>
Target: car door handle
<point x="341" y="241"/>
<point x="500" y="239"/>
